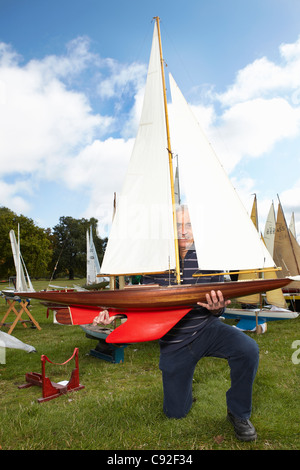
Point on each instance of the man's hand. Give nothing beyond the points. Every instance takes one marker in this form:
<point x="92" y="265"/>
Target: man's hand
<point x="215" y="302"/>
<point x="103" y="318"/>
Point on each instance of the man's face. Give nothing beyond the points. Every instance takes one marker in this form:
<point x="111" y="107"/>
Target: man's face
<point x="184" y="230"/>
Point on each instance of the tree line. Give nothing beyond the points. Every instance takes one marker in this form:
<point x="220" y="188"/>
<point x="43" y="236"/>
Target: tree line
<point x="47" y="253"/>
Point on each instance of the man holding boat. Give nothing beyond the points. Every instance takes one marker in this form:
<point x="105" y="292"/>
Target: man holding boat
<point x="199" y="334"/>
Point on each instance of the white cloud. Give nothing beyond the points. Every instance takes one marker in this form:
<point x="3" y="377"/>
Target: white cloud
<point x="130" y="126"/>
<point x="103" y="162"/>
<point x="265" y="78"/>
<point x="49" y="131"/>
<point x="121" y="79"/>
<point x="205" y="114"/>
<point x="290" y="200"/>
<point x="260" y="109"/>
<point x="9" y="196"/>
<point x="125" y="86"/>
<point x="41" y="121"/>
<point x="99" y="170"/>
<point x="253" y="127"/>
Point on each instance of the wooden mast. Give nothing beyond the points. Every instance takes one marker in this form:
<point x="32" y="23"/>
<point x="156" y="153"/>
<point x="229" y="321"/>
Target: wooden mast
<point x="170" y="156"/>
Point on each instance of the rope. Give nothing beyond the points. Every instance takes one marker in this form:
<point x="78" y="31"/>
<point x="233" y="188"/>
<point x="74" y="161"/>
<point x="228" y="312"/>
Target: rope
<point x="63" y="363"/>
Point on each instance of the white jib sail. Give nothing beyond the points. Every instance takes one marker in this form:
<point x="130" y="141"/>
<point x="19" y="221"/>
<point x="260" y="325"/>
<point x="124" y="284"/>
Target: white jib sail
<point x="225" y="237"/>
<point x="142" y="236"/>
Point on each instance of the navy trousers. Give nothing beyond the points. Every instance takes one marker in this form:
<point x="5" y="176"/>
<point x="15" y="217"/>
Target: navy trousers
<point x="217" y="339"/>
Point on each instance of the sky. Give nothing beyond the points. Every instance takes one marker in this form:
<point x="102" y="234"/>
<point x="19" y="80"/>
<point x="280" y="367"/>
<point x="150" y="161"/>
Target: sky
<point x="72" y="74"/>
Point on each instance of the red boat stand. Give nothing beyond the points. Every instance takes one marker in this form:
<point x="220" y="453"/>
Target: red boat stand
<point x="51" y="389"/>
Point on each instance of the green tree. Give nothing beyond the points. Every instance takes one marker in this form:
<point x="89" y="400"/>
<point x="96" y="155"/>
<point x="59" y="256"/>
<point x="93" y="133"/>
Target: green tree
<point x="35" y="245"/>
<point x="69" y="246"/>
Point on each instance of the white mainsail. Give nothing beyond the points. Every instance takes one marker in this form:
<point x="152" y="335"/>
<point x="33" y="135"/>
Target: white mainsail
<point x="92" y="261"/>
<point x="142" y="233"/>
<point x="225" y="237"/>
<point x="23" y="282"/>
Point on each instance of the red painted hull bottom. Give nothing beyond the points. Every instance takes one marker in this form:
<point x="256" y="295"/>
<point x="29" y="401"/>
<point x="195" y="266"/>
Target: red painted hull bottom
<point x="141" y="325"/>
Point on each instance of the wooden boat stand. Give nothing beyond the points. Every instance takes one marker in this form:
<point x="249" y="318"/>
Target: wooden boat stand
<point x="51" y="389"/>
<point x="23" y="308"/>
<point x="108" y="352"/>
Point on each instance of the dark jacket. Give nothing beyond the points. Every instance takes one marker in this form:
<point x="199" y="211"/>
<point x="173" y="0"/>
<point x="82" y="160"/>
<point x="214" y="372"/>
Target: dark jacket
<point x="187" y="329"/>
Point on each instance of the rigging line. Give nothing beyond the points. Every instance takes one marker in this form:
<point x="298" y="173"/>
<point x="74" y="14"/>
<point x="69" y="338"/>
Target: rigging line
<point x="56" y="264"/>
<point x="180" y="60"/>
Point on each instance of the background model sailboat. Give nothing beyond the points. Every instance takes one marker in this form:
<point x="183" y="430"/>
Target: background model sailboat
<point x="143" y="236"/>
<point x="255" y="312"/>
<point x="23" y="281"/>
<point x="92" y="261"/>
<point x="93" y="275"/>
<point x="286" y="252"/>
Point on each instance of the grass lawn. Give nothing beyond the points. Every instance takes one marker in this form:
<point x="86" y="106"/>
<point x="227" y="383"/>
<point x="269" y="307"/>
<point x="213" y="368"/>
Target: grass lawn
<point x="120" y="407"/>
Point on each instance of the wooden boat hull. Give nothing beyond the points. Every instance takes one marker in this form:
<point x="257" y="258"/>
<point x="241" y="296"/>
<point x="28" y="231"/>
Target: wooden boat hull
<point x="156" y="297"/>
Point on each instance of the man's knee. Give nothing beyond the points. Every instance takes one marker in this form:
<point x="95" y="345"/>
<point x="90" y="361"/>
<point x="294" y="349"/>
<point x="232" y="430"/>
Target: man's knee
<point x="250" y="352"/>
<point x="178" y="406"/>
<point x="252" y="347"/>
